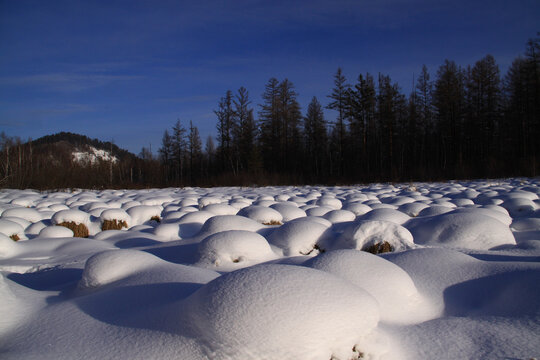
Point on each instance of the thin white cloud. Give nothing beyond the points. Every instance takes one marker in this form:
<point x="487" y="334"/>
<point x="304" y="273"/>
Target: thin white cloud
<point x="189" y="99"/>
<point x="65" y="82"/>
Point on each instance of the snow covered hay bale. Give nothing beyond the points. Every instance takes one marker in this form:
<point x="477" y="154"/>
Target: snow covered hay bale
<point x="234" y="249"/>
<point x="76" y="220"/>
<point x="375" y="236"/>
<point x="467" y="230"/>
<point x="114" y="219"/>
<point x="282" y="312"/>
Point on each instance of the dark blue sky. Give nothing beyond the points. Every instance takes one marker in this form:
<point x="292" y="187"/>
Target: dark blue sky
<point x="127" y="70"/>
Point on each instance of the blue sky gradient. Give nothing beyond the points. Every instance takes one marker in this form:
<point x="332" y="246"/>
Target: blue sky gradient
<point x="127" y="70"/>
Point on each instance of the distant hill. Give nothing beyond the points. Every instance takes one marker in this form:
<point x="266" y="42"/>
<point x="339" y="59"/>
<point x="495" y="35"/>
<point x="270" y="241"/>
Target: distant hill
<point x="84" y="149"/>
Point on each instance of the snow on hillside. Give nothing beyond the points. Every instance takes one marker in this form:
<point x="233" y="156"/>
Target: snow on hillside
<point x="273" y="273"/>
<point x="92" y="156"/>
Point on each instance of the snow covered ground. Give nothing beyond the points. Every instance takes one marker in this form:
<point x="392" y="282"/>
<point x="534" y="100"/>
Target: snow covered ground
<point x="273" y="273"/>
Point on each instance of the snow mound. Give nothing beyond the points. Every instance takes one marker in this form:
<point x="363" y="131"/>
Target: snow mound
<point x="208" y="200"/>
<point x="72" y="215"/>
<point x="141" y="214"/>
<point x="413" y="209"/>
<point x="357" y="208"/>
<point x="221" y="209"/>
<point x="109" y="266"/>
<point x="330" y="201"/>
<point x="319" y="210"/>
<point x="220" y="223"/>
<point x="8" y="247"/>
<point x="168" y="232"/>
<point x="262" y="214"/>
<point x="434" y="210"/>
<point x="115" y="214"/>
<point x="504" y="218"/>
<point x="234" y="249"/>
<point x="468" y="230"/>
<point x="391" y="286"/>
<point x="519" y="206"/>
<point x="386" y="214"/>
<point x="299" y="237"/>
<point x="11" y="228"/>
<point x="365" y="234"/>
<point x="289" y="211"/>
<point x="191" y="223"/>
<point x="281" y="312"/>
<point x="28" y="214"/>
<point x="526" y="224"/>
<point x="55" y="232"/>
<point x="339" y="216"/>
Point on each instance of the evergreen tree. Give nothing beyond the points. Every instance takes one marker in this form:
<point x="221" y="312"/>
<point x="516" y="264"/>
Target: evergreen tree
<point x="178" y="145"/>
<point x="209" y="158"/>
<point x="391" y="117"/>
<point x="315" y="140"/>
<point x="225" y="127"/>
<point x="483" y="87"/>
<point x="270" y="126"/>
<point x="166" y="154"/>
<point x="448" y="99"/>
<point x="195" y="153"/>
<point x="244" y="131"/>
<point x="362" y="108"/>
<point x="340" y="95"/>
<point x="290" y="118"/>
<point x="424" y="109"/>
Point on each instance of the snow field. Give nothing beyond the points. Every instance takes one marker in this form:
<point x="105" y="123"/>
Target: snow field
<point x="273" y="273"/>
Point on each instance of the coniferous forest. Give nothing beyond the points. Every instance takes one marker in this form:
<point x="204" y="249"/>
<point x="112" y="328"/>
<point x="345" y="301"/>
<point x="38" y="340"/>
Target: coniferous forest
<point x="459" y="122"/>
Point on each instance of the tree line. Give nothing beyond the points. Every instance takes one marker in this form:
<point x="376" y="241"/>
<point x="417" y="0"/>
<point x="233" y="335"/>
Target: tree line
<point x="464" y="122"/>
<point x="461" y="122"/>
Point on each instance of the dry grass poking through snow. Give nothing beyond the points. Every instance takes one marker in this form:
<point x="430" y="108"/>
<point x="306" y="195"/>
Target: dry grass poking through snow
<point x="273" y="222"/>
<point x="155" y="218"/>
<point x="379" y="248"/>
<point x="113" y="225"/>
<point x="79" y="230"/>
<point x="15" y="237"/>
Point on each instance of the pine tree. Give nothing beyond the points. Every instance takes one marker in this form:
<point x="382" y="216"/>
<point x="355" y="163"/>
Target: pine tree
<point x="290" y="118"/>
<point x="448" y="99"/>
<point x="483" y="87"/>
<point x="424" y="109"/>
<point x="166" y="154"/>
<point x="340" y="101"/>
<point x="270" y="126"/>
<point x="225" y="127"/>
<point x="178" y="150"/>
<point x="315" y="140"/>
<point x="244" y="130"/>
<point x="195" y="153"/>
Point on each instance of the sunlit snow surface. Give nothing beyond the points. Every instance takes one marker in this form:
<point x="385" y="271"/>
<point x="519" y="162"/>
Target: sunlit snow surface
<point x="273" y="273"/>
